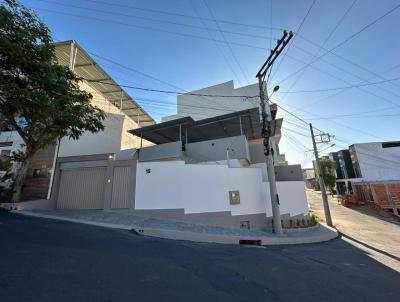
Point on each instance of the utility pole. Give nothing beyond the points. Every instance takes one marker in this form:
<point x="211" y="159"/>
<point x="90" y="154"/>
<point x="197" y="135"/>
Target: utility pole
<point x="266" y="128"/>
<point x="327" y="211"/>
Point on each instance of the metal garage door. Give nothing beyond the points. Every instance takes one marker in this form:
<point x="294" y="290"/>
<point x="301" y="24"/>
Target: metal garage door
<point x="121" y="193"/>
<point x="82" y="188"/>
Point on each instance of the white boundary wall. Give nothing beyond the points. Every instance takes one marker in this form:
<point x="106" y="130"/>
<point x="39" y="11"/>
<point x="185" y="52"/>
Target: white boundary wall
<point x="377" y="163"/>
<point x="199" y="188"/>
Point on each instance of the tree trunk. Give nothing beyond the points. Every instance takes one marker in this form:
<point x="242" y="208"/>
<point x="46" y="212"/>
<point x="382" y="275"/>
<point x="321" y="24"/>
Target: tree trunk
<point x="21" y="176"/>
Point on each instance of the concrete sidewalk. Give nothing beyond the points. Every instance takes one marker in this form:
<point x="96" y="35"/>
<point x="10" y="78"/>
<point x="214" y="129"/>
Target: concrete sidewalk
<point x="177" y="230"/>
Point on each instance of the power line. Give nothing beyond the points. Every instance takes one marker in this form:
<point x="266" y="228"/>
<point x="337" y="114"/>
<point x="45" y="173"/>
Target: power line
<point x="216" y="44"/>
<point x="173" y="92"/>
<point x="246" y="46"/>
<point x="352" y="36"/>
<point x="114" y="13"/>
<point x="296" y="132"/>
<point x="345" y="59"/>
<point x="144" y="27"/>
<point x="185" y="16"/>
<point x="336" y="66"/>
<point x="150" y="77"/>
<point x="340" y="92"/>
<point x="298" y="30"/>
<point x="342" y="125"/>
<point x="352" y="117"/>
<point x="343" y="87"/>
<point x="226" y="41"/>
<point x="344" y="81"/>
<point x="239" y="44"/>
<point x="324" y="43"/>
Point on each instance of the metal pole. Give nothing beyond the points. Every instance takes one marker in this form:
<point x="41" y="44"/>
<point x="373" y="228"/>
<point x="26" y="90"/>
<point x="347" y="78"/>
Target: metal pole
<point x="327" y="211"/>
<point x="71" y="66"/>
<point x="240" y="122"/>
<point x="266" y="121"/>
<point x="120" y="102"/>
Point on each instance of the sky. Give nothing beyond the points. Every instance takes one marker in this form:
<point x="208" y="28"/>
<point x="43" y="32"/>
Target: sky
<point x="168" y="41"/>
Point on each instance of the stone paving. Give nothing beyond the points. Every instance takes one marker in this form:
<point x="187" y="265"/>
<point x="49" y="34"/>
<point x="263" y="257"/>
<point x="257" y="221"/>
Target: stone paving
<point x="137" y="222"/>
<point x="143" y="222"/>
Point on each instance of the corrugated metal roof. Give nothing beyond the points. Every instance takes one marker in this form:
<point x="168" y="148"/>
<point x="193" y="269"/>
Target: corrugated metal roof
<point x="232" y="124"/>
<point x="87" y="68"/>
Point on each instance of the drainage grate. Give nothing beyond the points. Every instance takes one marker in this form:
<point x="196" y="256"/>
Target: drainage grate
<point x="250" y="242"/>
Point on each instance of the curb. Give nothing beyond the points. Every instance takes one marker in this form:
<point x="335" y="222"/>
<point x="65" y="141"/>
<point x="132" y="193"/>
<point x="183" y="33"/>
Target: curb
<point x="201" y="237"/>
<point x="223" y="239"/>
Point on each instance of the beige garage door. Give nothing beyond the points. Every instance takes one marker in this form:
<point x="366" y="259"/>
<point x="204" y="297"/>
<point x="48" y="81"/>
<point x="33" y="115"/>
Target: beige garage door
<point x="82" y="188"/>
<point x="122" y="184"/>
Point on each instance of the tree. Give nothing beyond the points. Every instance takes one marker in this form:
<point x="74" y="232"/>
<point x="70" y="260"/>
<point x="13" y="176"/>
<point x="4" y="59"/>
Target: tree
<point x="328" y="168"/>
<point x="40" y="99"/>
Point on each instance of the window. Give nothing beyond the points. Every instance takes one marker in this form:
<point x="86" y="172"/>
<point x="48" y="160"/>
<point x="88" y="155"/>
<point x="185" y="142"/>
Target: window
<point x="390" y="144"/>
<point x="234" y="197"/>
<point x="245" y="225"/>
<point x="5" y="152"/>
<point x="41" y="172"/>
<point x="6" y="144"/>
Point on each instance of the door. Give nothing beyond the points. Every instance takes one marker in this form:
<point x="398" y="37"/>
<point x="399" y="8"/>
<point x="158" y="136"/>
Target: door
<point x="82" y="188"/>
<point x="122" y="188"/>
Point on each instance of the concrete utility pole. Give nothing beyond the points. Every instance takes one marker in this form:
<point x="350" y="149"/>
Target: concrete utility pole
<point x="327" y="211"/>
<point x="266" y="129"/>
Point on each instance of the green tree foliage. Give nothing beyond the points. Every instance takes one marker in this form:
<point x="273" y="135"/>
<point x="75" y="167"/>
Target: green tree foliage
<point x="328" y="169"/>
<point x="38" y="98"/>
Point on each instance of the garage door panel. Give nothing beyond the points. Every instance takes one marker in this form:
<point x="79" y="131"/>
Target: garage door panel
<point x="82" y="188"/>
<point x="121" y="193"/>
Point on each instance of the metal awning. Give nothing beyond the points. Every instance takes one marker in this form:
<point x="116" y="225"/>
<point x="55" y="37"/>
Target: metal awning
<point x="246" y="122"/>
<point x="86" y="67"/>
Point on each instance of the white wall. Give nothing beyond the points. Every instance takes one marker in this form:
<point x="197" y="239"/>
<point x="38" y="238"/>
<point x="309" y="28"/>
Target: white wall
<point x="198" y="188"/>
<point x="377" y="163"/>
<point x="114" y="138"/>
<point x="12" y="136"/>
<point x="204" y="107"/>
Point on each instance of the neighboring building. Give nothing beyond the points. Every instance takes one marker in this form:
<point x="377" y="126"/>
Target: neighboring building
<point x="345" y="164"/>
<point x="344" y="170"/>
<point x="310" y="179"/>
<point x="372" y="172"/>
<point x="123" y="114"/>
<point x="335" y="157"/>
<point x="376" y="161"/>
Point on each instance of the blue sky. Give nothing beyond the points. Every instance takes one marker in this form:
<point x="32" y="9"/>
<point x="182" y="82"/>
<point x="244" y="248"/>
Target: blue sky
<point x="373" y="112"/>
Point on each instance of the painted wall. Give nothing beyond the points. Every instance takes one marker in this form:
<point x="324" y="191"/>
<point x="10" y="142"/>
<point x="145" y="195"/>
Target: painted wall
<point x="202" y="107"/>
<point x="115" y="136"/>
<point x="377" y="163"/>
<point x="199" y="188"/>
<point x="161" y="152"/>
<point x="216" y="149"/>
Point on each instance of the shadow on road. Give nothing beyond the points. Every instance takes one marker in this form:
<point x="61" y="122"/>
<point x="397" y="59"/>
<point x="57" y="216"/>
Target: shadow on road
<point x="369" y="246"/>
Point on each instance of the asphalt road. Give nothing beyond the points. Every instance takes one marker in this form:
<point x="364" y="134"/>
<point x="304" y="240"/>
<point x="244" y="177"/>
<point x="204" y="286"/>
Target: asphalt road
<point x="45" y="260"/>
